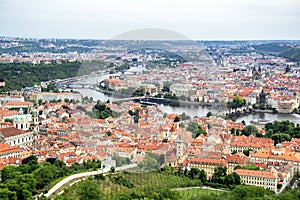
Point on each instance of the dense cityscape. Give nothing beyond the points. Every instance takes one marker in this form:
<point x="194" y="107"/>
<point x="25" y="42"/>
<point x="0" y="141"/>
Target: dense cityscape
<point x="149" y="100"/>
<point x="51" y="120"/>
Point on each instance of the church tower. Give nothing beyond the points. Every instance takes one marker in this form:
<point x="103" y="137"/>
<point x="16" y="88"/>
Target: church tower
<point x="179" y="147"/>
<point x="35" y="121"/>
<point x="35" y="124"/>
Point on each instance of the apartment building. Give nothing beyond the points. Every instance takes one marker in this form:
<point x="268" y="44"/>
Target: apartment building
<point x="265" y="179"/>
<point x="207" y="164"/>
<point x="277" y="154"/>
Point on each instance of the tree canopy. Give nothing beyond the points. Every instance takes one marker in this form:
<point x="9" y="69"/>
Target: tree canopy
<point x="196" y="129"/>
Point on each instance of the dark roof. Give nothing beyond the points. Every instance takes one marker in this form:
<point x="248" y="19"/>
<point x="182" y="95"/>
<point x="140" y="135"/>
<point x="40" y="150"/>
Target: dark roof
<point x="11" y="131"/>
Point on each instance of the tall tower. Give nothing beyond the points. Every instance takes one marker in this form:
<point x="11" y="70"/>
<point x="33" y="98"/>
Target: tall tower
<point x="35" y="121"/>
<point x="179" y="147"/>
<point x="35" y="126"/>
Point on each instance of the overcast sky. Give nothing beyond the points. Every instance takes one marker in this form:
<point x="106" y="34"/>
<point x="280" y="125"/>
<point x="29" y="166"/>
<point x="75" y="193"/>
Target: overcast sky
<point x="197" y="19"/>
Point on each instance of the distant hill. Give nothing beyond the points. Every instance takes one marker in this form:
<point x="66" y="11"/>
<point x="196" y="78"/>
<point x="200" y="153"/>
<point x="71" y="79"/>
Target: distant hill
<point x="285" y="50"/>
<point x="292" y="53"/>
<point x="19" y="75"/>
<point x="271" y="48"/>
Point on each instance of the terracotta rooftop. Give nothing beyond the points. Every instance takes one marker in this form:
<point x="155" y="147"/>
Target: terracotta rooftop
<point x="254" y="173"/>
<point x="11" y="131"/>
<point x="26" y="103"/>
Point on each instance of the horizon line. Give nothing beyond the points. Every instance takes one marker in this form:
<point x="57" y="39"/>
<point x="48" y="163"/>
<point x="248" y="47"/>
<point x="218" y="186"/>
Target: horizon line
<point x="79" y="38"/>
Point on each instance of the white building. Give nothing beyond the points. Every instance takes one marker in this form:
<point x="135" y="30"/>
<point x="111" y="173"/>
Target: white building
<point x="16" y="137"/>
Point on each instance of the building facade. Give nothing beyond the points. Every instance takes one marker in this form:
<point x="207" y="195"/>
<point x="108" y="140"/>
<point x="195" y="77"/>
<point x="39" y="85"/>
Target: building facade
<point x="265" y="179"/>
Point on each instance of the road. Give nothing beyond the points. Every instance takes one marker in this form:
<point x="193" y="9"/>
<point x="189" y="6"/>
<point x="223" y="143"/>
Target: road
<point x="68" y="179"/>
<point x="203" y="188"/>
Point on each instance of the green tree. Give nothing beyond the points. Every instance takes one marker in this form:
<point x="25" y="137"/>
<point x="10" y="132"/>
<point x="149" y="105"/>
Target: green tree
<point x="232" y="179"/>
<point x="9" y="172"/>
<point x="196" y="129"/>
<point x="209" y="126"/>
<point x="208" y="114"/>
<point x="89" y="190"/>
<point x="250" y="130"/>
<point x="280" y="137"/>
<point x="246" y="151"/>
<point x="242" y="192"/>
<point x="108" y="133"/>
<point x="229" y="180"/>
<point x="202" y="176"/>
<point x="112" y="169"/>
<point x="177" y="119"/>
<point x="238" y="132"/>
<point x="6" y="194"/>
<point x="232" y="131"/>
<point x="219" y="174"/>
<point x="194" y="173"/>
<point x="101" y="111"/>
<point x="45" y="174"/>
<point x="40" y="102"/>
<point x="237" y="102"/>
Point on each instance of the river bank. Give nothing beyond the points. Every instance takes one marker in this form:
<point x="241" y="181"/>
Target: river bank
<point x="192" y="109"/>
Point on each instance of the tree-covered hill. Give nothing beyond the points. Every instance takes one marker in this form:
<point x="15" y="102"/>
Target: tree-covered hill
<point x="271" y="48"/>
<point x="18" y="75"/>
<point x="281" y="49"/>
<point x="292" y="54"/>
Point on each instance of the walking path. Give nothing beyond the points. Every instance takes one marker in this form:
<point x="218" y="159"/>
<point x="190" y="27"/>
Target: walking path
<point x="69" y="179"/>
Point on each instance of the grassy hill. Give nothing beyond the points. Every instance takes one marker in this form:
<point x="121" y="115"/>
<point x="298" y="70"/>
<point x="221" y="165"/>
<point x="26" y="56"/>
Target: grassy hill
<point x="163" y="185"/>
<point x="135" y="186"/>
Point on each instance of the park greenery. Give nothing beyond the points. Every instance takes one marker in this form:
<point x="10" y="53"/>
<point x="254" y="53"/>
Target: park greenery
<point x="196" y="129"/>
<point x="237" y="102"/>
<point x="248" y="167"/>
<point x="31" y="178"/>
<point x="101" y="111"/>
<point x="250" y="130"/>
<point x="280" y="131"/>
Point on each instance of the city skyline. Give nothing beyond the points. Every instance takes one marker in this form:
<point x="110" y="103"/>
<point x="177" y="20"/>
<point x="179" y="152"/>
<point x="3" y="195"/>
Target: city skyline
<point x="200" y="20"/>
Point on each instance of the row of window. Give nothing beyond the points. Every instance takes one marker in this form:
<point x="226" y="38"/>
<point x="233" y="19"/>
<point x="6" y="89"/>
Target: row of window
<point x="22" y="126"/>
<point x="19" y="141"/>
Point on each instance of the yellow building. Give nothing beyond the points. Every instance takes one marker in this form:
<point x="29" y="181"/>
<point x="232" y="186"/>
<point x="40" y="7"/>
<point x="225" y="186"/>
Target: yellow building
<point x="208" y="165"/>
<point x="267" y="180"/>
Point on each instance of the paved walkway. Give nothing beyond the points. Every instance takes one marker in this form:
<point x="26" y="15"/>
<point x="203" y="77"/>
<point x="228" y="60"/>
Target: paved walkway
<point x="68" y="179"/>
<point x="198" y="187"/>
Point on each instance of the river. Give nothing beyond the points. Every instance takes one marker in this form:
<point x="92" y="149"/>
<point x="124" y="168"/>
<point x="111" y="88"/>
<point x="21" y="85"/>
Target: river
<point x="189" y="110"/>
